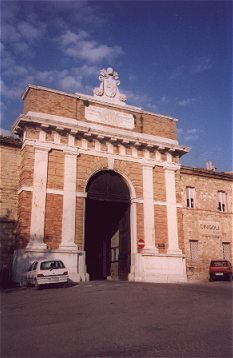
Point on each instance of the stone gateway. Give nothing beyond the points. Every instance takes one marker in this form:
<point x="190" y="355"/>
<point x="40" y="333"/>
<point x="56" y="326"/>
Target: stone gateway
<point x="100" y="186"/>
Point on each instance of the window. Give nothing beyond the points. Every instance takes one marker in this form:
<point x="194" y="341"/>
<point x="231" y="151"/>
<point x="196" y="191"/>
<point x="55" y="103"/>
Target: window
<point x="47" y="265"/>
<point x="115" y="254"/>
<point x="226" y="246"/>
<point x="193" y="249"/>
<point x="190" y="193"/>
<point x="222" y="201"/>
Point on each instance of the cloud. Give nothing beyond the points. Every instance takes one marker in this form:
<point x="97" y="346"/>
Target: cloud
<point x="20" y="28"/>
<point x="164" y="100"/>
<point x="185" y="102"/>
<point x="138" y="99"/>
<point x="189" y="135"/>
<point x="31" y="32"/>
<point x="71" y="80"/>
<point x="80" y="46"/>
<point x="201" y="64"/>
<point x="12" y="92"/>
<point x="178" y="72"/>
<point x="5" y="132"/>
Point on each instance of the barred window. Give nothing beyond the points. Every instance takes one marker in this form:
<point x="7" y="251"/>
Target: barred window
<point x="222" y="200"/>
<point x="226" y="246"/>
<point x="193" y="249"/>
<point x="190" y="194"/>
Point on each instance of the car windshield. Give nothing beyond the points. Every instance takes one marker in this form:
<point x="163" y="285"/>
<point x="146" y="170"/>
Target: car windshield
<point x="218" y="263"/>
<point x="48" y="265"/>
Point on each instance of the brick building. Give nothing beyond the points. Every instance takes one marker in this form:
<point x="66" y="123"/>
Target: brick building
<point x="101" y="187"/>
<point x="207" y="218"/>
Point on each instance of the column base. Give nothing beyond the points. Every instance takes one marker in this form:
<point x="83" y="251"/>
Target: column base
<point x="160" y="268"/>
<point x="150" y="250"/>
<point x="68" y="247"/>
<point x="174" y="252"/>
<point x="36" y="246"/>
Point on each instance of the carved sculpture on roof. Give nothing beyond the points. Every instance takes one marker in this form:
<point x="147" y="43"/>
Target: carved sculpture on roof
<point x="108" y="89"/>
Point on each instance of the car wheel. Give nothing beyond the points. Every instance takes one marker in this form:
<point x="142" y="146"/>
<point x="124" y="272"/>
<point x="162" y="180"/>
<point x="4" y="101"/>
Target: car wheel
<point x="65" y="285"/>
<point x="37" y="286"/>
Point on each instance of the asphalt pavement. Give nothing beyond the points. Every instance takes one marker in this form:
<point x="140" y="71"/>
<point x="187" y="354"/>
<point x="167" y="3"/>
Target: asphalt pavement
<point x="118" y="319"/>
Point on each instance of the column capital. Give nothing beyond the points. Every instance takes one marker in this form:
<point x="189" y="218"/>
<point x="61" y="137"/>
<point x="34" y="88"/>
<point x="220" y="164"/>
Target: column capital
<point x="42" y="147"/>
<point x="71" y="151"/>
<point x="172" y="167"/>
<point x="148" y="164"/>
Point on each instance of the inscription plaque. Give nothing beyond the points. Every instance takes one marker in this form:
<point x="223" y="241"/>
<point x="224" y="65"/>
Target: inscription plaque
<point x="210" y="228"/>
<point x="109" y="117"/>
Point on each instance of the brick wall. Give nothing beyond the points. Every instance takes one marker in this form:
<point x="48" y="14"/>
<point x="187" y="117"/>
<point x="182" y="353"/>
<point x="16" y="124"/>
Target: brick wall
<point x="86" y="166"/>
<point x="159" y="184"/>
<point x="9" y="176"/>
<point x="161" y="228"/>
<point x="26" y="168"/>
<point x="24" y="219"/>
<point x="60" y="104"/>
<point x="79" y="223"/>
<point x="53" y="220"/>
<point x="55" y="170"/>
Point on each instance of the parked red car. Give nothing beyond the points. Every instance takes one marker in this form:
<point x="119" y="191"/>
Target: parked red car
<point x="220" y="269"/>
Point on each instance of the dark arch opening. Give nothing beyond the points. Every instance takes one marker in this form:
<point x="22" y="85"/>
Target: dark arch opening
<point x="107" y="227"/>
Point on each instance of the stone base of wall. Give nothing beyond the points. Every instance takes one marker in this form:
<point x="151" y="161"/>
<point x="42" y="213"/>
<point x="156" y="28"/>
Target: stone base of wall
<point x="144" y="267"/>
<point x="160" y="268"/>
<point x="74" y="261"/>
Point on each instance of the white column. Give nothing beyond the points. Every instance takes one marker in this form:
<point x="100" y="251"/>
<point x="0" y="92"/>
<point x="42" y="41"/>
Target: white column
<point x="69" y="200"/>
<point x="148" y="198"/>
<point x="173" y="244"/>
<point x="39" y="198"/>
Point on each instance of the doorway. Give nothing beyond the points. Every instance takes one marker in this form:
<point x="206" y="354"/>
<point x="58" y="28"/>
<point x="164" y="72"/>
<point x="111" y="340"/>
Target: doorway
<point x="107" y="227"/>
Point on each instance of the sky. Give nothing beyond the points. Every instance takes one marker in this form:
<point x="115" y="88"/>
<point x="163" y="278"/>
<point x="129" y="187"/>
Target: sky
<point x="172" y="57"/>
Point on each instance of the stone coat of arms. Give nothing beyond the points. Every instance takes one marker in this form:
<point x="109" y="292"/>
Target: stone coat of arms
<point x="108" y="89"/>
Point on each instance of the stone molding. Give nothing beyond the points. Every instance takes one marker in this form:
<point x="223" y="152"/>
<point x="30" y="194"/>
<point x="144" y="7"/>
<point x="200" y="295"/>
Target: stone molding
<point x="80" y="194"/>
<point x="84" y="195"/>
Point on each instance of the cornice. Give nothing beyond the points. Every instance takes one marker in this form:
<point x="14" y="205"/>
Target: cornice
<point x="201" y="172"/>
<point x="99" y="132"/>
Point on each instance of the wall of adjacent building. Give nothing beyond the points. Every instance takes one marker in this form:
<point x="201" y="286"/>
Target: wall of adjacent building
<point x="206" y="229"/>
<point x="9" y="183"/>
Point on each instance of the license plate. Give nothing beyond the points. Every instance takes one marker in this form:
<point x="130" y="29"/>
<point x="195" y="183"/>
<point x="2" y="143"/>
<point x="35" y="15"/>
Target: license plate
<point x="54" y="279"/>
<point x="219" y="274"/>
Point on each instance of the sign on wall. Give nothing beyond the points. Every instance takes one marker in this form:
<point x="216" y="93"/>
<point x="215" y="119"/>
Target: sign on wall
<point x="210" y="228"/>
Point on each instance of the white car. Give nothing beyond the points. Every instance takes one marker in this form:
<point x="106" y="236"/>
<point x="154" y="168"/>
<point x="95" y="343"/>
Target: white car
<point x="44" y="272"/>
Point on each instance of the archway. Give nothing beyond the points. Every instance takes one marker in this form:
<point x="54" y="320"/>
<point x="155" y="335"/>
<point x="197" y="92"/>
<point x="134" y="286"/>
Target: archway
<point x="107" y="227"/>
